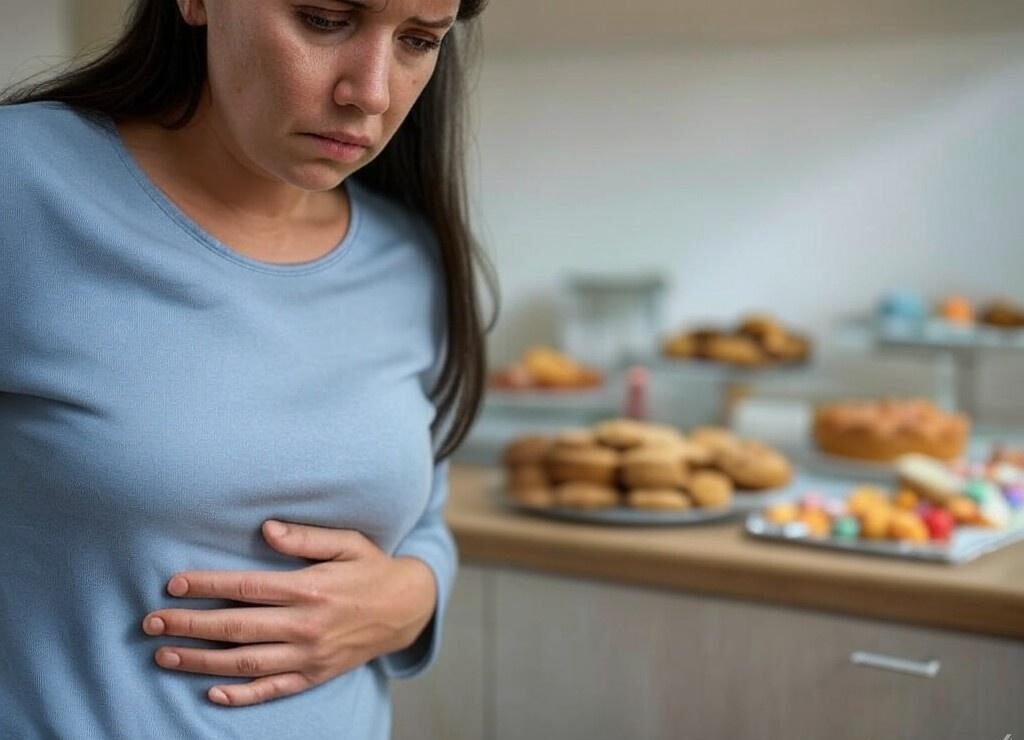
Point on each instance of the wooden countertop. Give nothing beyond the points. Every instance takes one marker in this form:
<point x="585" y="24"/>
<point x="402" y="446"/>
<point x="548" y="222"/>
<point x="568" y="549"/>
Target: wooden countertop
<point x="985" y="596"/>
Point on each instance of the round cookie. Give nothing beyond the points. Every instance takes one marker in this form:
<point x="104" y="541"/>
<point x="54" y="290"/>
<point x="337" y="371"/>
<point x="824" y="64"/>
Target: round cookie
<point x="658" y="499"/>
<point x="530" y="450"/>
<point x="735" y="350"/>
<point x="574" y="437"/>
<point x="713" y="439"/>
<point x="622" y="434"/>
<point x="652" y="467"/>
<point x="595" y="464"/>
<point x="586" y="496"/>
<point x="537" y="497"/>
<point x="527" y="476"/>
<point x="754" y="466"/>
<point x="710" y="489"/>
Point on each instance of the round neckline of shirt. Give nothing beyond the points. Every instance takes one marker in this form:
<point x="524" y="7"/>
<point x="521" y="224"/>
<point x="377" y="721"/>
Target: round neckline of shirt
<point x="212" y="243"/>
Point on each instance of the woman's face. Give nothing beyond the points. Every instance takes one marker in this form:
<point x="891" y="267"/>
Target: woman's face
<point x="309" y="91"/>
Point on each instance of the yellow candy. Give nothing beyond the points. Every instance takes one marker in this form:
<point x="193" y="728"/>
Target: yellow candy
<point x="907" y="500"/>
<point x="863" y="498"/>
<point x="782" y="513"/>
<point x="817" y="521"/>
<point x="874" y="522"/>
<point x="908" y="526"/>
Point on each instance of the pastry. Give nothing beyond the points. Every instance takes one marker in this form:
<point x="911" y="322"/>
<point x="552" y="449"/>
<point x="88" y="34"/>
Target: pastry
<point x="527" y="476"/>
<point x="885" y="430"/>
<point x="594" y="464"/>
<point x="545" y="368"/>
<point x="754" y="466"/>
<point x="586" y="496"/>
<point x="537" y="497"/>
<point x="710" y="489"/>
<point x="713" y="439"/>
<point x="929" y="478"/>
<point x="574" y="437"/>
<point x="658" y="499"/>
<point x="957" y="310"/>
<point x="652" y="467"/>
<point x="530" y="450"/>
<point x="760" y="325"/>
<point x="738" y="350"/>
<point x="620" y="433"/>
<point x="683" y="346"/>
<point x="1004" y="314"/>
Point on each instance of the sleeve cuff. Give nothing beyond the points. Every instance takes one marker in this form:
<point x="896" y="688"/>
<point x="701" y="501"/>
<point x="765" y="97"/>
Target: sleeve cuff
<point x="438" y="552"/>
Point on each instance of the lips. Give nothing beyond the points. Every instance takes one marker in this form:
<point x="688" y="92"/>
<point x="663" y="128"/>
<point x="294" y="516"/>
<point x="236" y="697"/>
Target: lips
<point x="343" y="137"/>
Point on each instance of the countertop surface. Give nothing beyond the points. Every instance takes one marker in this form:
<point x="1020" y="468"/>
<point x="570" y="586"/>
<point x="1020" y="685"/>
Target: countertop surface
<point x="983" y="596"/>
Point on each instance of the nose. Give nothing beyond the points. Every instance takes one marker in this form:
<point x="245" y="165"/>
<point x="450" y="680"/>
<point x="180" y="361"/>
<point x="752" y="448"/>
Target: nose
<point x="365" y="75"/>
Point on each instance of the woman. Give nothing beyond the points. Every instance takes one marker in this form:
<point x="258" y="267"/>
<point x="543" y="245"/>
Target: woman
<point x="240" y="338"/>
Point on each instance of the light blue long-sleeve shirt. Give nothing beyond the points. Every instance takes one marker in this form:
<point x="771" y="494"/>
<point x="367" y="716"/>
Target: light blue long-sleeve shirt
<point x="161" y="395"/>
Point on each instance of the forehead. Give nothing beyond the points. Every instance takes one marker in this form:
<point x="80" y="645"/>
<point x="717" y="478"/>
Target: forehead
<point x="403" y="9"/>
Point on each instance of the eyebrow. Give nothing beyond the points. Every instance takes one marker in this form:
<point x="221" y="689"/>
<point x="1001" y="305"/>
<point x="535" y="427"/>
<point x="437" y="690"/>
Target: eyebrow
<point x="426" y="22"/>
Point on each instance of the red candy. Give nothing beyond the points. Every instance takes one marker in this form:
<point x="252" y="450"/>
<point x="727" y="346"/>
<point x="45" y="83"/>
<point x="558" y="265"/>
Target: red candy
<point x="940" y="524"/>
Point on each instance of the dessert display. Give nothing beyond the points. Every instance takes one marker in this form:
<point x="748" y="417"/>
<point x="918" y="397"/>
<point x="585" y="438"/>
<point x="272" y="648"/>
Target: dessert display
<point x="629" y="464"/>
<point x="882" y="431"/>
<point x="1004" y="314"/>
<point x="933" y="505"/>
<point x="758" y="341"/>
<point x="907" y="310"/>
<point x="544" y="368"/>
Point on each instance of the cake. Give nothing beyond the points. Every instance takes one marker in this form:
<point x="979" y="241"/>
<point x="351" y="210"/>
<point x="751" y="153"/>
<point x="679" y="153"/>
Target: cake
<point x="884" y="430"/>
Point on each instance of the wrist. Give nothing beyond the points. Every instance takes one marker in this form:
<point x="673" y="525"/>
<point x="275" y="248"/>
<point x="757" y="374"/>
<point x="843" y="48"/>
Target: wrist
<point x="418" y="591"/>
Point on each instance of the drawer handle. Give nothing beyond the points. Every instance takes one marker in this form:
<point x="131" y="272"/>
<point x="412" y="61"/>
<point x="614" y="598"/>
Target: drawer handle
<point x="922" y="668"/>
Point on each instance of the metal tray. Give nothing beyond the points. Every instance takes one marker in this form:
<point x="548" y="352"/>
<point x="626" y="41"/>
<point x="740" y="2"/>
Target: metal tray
<point x="966" y="544"/>
<point x="742" y="503"/>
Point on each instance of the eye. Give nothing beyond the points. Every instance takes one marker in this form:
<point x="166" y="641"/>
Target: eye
<point x="420" y="45"/>
<point x="322" y="23"/>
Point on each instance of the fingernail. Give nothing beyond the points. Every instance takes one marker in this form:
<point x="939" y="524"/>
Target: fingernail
<point x="276" y="529"/>
<point x="155" y="626"/>
<point x="168" y="660"/>
<point x="218" y="696"/>
<point x="178" y="586"/>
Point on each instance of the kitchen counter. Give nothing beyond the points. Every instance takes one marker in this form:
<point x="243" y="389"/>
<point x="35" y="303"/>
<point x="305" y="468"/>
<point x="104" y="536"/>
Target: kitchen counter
<point x="985" y="596"/>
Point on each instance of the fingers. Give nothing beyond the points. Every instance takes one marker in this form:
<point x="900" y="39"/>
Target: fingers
<point x="315" y="543"/>
<point x="277" y="588"/>
<point x="260" y="690"/>
<point x="228" y="625"/>
<point x="252" y="660"/>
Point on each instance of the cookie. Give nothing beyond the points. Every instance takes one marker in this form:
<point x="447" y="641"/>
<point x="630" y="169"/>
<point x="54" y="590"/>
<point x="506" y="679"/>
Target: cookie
<point x="754" y="466"/>
<point x="530" y="450"/>
<point x="594" y="464"/>
<point x="682" y="346"/>
<point x="537" y="497"/>
<point x="527" y="476"/>
<point x="710" y="489"/>
<point x="622" y="434"/>
<point x="574" y="437"/>
<point x="655" y="499"/>
<point x="652" y="467"/>
<point x="586" y="496"/>
<point x="930" y="478"/>
<point x="735" y="350"/>
<point x="713" y="439"/>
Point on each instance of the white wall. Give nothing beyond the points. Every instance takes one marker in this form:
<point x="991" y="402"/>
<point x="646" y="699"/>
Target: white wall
<point x="806" y="178"/>
<point x="34" y="36"/>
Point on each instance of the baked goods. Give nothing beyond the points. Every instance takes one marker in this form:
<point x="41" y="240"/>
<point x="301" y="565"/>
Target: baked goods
<point x="544" y="368"/>
<point x="752" y="465"/>
<point x="710" y="489"/>
<point x="595" y="464"/>
<point x="759" y="340"/>
<point x="586" y="496"/>
<point x="885" y="430"/>
<point x="1004" y="314"/>
<point x="647" y="466"/>
<point x="658" y="499"/>
<point x="658" y="466"/>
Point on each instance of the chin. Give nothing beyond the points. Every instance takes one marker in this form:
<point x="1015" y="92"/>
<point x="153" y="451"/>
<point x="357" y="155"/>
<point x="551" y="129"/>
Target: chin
<point x="317" y="177"/>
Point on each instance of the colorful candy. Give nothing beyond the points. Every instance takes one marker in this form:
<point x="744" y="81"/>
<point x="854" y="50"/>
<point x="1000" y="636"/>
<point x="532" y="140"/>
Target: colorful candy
<point x="846" y="527"/>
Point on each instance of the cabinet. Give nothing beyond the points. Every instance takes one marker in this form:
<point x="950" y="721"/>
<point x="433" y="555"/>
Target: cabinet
<point x="534" y="656"/>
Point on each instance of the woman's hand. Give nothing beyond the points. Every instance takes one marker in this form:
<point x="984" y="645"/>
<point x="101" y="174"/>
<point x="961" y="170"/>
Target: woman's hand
<point x="316" y="623"/>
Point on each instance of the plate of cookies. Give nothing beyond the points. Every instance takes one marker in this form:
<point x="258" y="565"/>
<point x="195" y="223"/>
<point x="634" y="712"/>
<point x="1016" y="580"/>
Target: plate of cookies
<point x="625" y="471"/>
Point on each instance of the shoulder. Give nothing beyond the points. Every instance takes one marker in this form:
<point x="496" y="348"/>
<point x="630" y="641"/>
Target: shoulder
<point x="45" y="140"/>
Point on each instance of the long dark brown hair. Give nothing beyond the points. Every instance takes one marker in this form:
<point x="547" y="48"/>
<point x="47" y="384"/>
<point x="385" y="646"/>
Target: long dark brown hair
<point x="156" y="70"/>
